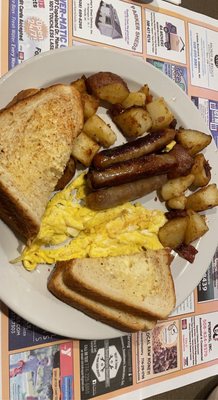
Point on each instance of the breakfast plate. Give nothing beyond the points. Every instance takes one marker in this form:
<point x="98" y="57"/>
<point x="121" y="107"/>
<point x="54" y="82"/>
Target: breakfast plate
<point x="26" y="292"/>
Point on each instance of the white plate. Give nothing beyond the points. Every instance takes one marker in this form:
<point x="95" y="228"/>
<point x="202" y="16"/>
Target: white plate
<point x="26" y="292"/>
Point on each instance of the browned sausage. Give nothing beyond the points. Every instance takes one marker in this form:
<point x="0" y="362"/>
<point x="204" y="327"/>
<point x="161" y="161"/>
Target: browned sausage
<point x="116" y="195"/>
<point x="184" y="162"/>
<point x="131" y="170"/>
<point x="148" y="144"/>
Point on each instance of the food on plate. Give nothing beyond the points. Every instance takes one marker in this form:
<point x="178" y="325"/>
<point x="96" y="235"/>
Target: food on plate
<point x="150" y="143"/>
<point x="35" y="149"/>
<point x="187" y="251"/>
<point x="68" y="174"/>
<point x="132" y="122"/>
<point x="160" y="114"/>
<point x="172" y="234"/>
<point x="23" y="94"/>
<point x="118" y="318"/>
<point x="140" y="283"/>
<point x="196" y="227"/>
<point x="80" y="84"/>
<point x="178" y="202"/>
<point x="71" y="230"/>
<point x="176" y="213"/>
<point x="130" y="170"/>
<point x="134" y="99"/>
<point x="145" y="89"/>
<point x="176" y="187"/>
<point x="113" y="196"/>
<point x="193" y="141"/>
<point x="201" y="171"/>
<point x="203" y="199"/>
<point x="182" y="228"/>
<point x="84" y="149"/>
<point x="98" y="130"/>
<point x="184" y="161"/>
<point x="107" y="86"/>
<point x="90" y="103"/>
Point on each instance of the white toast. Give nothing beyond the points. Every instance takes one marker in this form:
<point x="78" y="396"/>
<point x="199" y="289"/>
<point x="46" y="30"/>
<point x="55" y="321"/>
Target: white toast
<point x="140" y="283"/>
<point x="115" y="317"/>
<point x="37" y="131"/>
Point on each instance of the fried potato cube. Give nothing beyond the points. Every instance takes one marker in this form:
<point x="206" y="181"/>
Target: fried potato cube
<point x="84" y="149"/>
<point x="134" y="99"/>
<point x="193" y="141"/>
<point x="99" y="131"/>
<point x="177" y="203"/>
<point x="145" y="89"/>
<point x="175" y="187"/>
<point x="196" y="227"/>
<point x="203" y="199"/>
<point x="133" y="122"/>
<point x="90" y="105"/>
<point x="160" y="114"/>
<point x="172" y="234"/>
<point x="68" y="174"/>
<point x="108" y="86"/>
<point x="201" y="171"/>
<point x="80" y="84"/>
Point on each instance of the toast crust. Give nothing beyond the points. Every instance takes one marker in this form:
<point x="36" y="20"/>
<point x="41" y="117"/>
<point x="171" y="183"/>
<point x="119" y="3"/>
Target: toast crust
<point x="15" y="213"/>
<point x="76" y="282"/>
<point x="116" y="318"/>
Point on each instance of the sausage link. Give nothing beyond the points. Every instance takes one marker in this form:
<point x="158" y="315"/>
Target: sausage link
<point x="148" y="144"/>
<point x="131" y="170"/>
<point x="111" y="197"/>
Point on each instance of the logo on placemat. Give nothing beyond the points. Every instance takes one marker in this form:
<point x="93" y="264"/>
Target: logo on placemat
<point x="35" y="28"/>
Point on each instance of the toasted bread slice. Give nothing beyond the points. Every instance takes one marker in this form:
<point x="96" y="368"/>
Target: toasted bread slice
<point x="23" y="94"/>
<point x="36" y="141"/>
<point x="140" y="283"/>
<point x="119" y="319"/>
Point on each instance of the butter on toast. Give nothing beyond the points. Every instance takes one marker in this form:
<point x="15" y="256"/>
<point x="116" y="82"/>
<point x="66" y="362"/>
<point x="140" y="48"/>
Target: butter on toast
<point x="36" y="137"/>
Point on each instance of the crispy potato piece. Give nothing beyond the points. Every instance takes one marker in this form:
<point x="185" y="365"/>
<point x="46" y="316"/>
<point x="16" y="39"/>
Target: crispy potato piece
<point x="177" y="203"/>
<point x="84" y="149"/>
<point x="201" y="171"/>
<point x="175" y="187"/>
<point x="160" y="114"/>
<point x="196" y="227"/>
<point x="68" y="174"/>
<point x="133" y="122"/>
<point x="134" y="99"/>
<point x="172" y="234"/>
<point x="99" y="131"/>
<point x="80" y="84"/>
<point x="203" y="199"/>
<point x="108" y="86"/>
<point x="145" y="89"/>
<point x="193" y="141"/>
<point x="90" y="104"/>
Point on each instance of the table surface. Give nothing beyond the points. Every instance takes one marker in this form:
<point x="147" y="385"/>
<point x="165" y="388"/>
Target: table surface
<point x="191" y="392"/>
<point x="198" y="390"/>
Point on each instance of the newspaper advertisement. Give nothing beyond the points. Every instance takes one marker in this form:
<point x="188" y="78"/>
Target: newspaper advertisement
<point x="40" y="365"/>
<point x="34" y="27"/>
<point x="118" y="24"/>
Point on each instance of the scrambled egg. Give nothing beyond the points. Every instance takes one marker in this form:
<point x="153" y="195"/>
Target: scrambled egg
<point x="71" y="230"/>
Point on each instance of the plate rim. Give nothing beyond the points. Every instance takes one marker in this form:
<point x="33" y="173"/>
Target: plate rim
<point x="83" y="49"/>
